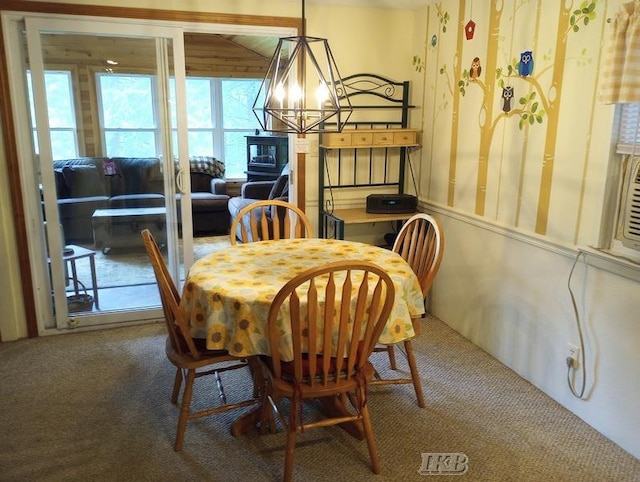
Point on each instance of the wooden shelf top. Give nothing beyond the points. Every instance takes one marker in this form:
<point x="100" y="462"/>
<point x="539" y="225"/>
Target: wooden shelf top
<point x="360" y="216"/>
<point x="370" y="138"/>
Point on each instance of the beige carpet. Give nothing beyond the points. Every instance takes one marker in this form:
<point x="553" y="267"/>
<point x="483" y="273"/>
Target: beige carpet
<point x="94" y="406"/>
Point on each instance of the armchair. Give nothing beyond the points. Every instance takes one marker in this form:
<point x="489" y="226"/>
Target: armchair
<point x="260" y="190"/>
<point x="209" y="198"/>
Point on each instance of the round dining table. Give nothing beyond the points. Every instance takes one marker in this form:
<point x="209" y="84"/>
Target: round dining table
<point x="227" y="294"/>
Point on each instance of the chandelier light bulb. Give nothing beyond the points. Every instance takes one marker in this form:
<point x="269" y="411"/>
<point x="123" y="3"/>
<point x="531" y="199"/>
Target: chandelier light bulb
<point x="280" y="93"/>
<point x="322" y="95"/>
<point x="295" y="93"/>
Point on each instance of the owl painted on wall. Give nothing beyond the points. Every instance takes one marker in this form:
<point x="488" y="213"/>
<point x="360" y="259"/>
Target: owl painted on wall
<point x="507" y="95"/>
<point x="476" y="68"/>
<point x="525" y="67"/>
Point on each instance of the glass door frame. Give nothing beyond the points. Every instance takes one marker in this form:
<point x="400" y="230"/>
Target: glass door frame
<point x="17" y="141"/>
<point x="161" y="35"/>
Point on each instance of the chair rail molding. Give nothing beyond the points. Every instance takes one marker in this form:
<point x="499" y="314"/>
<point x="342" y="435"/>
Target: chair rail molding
<point x="594" y="257"/>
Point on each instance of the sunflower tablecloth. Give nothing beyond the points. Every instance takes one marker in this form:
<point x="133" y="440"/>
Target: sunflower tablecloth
<point x="227" y="294"/>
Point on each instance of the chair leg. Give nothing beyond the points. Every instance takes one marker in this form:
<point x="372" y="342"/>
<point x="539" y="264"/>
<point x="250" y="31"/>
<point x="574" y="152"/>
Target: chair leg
<point x="185" y="409"/>
<point x="257" y="375"/>
<point x="415" y="376"/>
<point x="177" y="383"/>
<point x="269" y="408"/>
<point x="392" y="356"/>
<point x="288" y="457"/>
<point x="371" y="441"/>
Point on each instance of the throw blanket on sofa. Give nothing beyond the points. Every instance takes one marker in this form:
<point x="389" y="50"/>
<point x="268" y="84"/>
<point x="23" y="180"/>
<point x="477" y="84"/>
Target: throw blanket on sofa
<point x="207" y="165"/>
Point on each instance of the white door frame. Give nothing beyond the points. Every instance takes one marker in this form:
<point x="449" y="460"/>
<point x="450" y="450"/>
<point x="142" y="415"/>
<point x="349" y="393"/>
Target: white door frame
<point x="92" y="25"/>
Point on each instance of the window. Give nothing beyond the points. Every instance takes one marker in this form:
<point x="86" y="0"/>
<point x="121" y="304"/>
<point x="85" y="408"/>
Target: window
<point x="238" y="121"/>
<point x="200" y="116"/>
<point x="628" y="141"/>
<point x="219" y="116"/>
<point x="127" y="115"/>
<point x="625" y="238"/>
<point x="61" y="113"/>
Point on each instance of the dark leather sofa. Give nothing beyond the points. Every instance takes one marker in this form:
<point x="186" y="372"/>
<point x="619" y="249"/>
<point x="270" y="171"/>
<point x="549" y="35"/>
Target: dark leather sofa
<point x="86" y="184"/>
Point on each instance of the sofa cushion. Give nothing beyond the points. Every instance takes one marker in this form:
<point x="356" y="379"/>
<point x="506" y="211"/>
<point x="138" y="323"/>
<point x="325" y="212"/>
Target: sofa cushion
<point x="83" y="180"/>
<point x="208" y="202"/>
<point x="256" y="189"/>
<point x="136" y="175"/>
<point x="75" y="217"/>
<point x="280" y="188"/>
<point x="137" y="201"/>
<point x="200" y="182"/>
<point x="237" y="203"/>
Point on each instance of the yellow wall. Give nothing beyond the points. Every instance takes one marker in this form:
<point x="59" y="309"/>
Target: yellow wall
<point x="546" y="177"/>
<point x="517" y="203"/>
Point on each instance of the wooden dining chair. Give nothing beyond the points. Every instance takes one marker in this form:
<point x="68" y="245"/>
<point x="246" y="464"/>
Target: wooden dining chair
<point x="270" y="219"/>
<point x="420" y="242"/>
<point x="189" y="355"/>
<point x="336" y="314"/>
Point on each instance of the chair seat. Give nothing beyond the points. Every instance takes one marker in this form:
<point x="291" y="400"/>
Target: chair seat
<point x="420" y="242"/>
<point x="189" y="354"/>
<point x="187" y="360"/>
<point x="287" y="367"/>
<point x="287" y="388"/>
<point x="318" y="318"/>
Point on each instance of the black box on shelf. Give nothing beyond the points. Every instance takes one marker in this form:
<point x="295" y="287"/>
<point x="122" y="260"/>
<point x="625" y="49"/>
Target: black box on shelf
<point x="391" y="203"/>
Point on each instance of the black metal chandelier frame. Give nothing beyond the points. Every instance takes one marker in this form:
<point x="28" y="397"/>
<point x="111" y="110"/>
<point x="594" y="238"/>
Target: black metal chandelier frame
<point x="283" y="104"/>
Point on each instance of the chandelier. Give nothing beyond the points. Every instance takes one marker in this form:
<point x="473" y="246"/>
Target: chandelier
<point x="286" y="104"/>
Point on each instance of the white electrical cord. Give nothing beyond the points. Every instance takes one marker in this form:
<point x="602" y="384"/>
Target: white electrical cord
<point x="570" y="365"/>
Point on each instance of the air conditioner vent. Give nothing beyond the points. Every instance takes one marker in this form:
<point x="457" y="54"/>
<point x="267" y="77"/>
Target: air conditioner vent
<point x="631" y="214"/>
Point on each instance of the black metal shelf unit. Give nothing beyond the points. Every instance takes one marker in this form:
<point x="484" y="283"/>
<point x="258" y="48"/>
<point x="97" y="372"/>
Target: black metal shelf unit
<point x="378" y="104"/>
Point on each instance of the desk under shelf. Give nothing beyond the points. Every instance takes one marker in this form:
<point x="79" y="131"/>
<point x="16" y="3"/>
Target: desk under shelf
<point x="342" y="217"/>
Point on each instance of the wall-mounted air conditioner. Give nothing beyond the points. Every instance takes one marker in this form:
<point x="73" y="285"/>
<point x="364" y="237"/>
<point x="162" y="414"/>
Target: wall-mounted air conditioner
<point x="630" y="222"/>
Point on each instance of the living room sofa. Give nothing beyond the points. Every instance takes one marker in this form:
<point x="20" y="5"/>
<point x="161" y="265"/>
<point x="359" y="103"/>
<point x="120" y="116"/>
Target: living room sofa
<point x="86" y="184"/>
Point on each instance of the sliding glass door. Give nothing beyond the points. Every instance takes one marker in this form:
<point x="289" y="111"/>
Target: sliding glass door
<point x="99" y="115"/>
<point x="108" y="156"/>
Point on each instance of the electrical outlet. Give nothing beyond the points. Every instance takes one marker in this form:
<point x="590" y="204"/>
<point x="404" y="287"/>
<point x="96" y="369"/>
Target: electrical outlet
<point x="574" y="355"/>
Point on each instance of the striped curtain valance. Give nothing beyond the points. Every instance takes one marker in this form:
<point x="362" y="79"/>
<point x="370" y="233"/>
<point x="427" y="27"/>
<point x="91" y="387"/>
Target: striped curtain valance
<point x="621" y="69"/>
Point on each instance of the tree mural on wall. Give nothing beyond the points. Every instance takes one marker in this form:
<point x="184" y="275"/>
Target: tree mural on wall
<point x="443" y="19"/>
<point x="442" y="104"/>
<point x="539" y="106"/>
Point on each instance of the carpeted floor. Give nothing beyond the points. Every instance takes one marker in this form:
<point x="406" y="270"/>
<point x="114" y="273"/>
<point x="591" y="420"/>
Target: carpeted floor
<point x="95" y="406"/>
